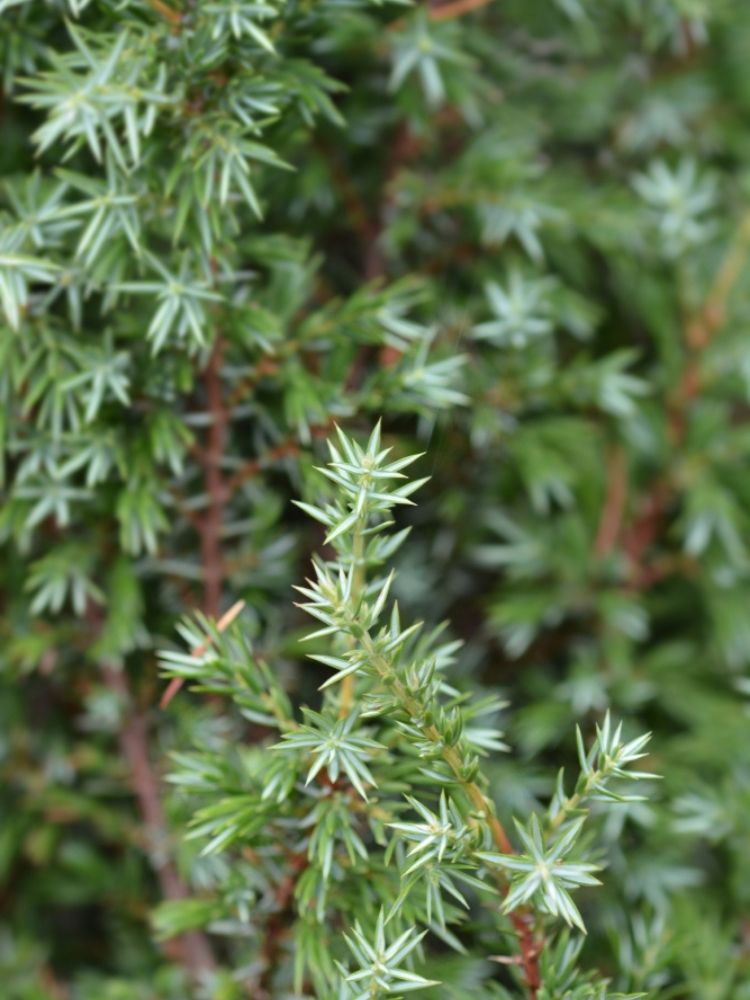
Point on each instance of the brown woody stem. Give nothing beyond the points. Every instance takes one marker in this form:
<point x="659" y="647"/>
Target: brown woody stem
<point x="521" y="919"/>
<point x="448" y="11"/>
<point x="191" y="948"/>
<point x="174" y="17"/>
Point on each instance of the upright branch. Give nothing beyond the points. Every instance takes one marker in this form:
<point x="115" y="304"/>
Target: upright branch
<point x="384" y="671"/>
<point x="321" y="808"/>
<point x="212" y="456"/>
<point x="210" y="524"/>
<point x="369" y="487"/>
<point x="462" y="764"/>
<point x="614" y="502"/>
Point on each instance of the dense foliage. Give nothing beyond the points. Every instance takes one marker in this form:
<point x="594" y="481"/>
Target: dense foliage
<point x="517" y="233"/>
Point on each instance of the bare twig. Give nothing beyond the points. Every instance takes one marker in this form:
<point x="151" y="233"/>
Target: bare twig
<point x="614" y="502"/>
<point x="448" y="11"/>
<point x="174" y="17"/>
<point x="702" y="327"/>
<point x="221" y="625"/>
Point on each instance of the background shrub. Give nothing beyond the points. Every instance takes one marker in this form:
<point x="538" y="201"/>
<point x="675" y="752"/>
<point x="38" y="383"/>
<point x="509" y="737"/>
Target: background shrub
<point x="516" y="231"/>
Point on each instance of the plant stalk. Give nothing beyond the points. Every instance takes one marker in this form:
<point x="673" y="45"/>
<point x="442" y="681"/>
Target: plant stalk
<point x="529" y="946"/>
<point x="358" y="582"/>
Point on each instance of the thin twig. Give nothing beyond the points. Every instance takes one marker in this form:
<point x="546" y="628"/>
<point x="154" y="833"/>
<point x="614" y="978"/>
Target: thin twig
<point x="221" y="625"/>
<point x="346" y="700"/>
<point x="614" y="502"/>
<point x="726" y="279"/>
<point x="702" y="327"/>
<point x="265" y="367"/>
<point x="174" y="17"/>
<point x="213" y="453"/>
<point x="448" y="11"/>
<point x="285" y="449"/>
<point x="190" y="515"/>
<point x="194" y="951"/>
<point x="251" y="469"/>
<point x="521" y="919"/>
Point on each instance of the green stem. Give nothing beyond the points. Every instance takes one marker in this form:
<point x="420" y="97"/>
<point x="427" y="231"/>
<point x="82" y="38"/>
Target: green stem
<point x="358" y="582"/>
<point x="450" y="754"/>
<point x="529" y="945"/>
<point x="574" y="801"/>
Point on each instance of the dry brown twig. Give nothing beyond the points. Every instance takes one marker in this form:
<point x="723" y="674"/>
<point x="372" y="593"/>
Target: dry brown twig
<point x="614" y="502"/>
<point x="221" y="625"/>
<point x="448" y="11"/>
<point x="170" y="15"/>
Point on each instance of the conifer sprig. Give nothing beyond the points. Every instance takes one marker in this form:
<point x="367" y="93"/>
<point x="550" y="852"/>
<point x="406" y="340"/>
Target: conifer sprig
<point x="334" y="774"/>
<point x="518" y="231"/>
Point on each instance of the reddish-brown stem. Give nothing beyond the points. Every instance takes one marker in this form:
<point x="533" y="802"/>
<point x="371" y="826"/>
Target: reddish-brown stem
<point x="643" y="532"/>
<point x="530" y="950"/>
<point x="521" y="919"/>
<point x="191" y="949"/>
<point x="266" y="366"/>
<point x="174" y="17"/>
<point x="447" y="11"/>
<point x="210" y="525"/>
<point x="223" y="623"/>
<point x="614" y="502"/>
<point x="703" y="325"/>
<point x="700" y="328"/>
<point x="284" y="449"/>
<point x="52" y="985"/>
<point x="212" y="522"/>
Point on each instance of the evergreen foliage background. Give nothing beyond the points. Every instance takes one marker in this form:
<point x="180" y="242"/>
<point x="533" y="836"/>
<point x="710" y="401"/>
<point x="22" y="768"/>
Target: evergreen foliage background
<point x="518" y="232"/>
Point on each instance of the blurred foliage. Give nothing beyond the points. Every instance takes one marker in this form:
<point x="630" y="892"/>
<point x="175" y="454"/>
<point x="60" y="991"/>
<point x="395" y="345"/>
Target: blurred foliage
<point x="518" y="232"/>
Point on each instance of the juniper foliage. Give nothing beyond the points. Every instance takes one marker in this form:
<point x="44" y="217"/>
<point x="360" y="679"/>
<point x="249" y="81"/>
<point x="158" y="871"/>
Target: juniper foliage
<point x="382" y="787"/>
<point x="518" y="232"/>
